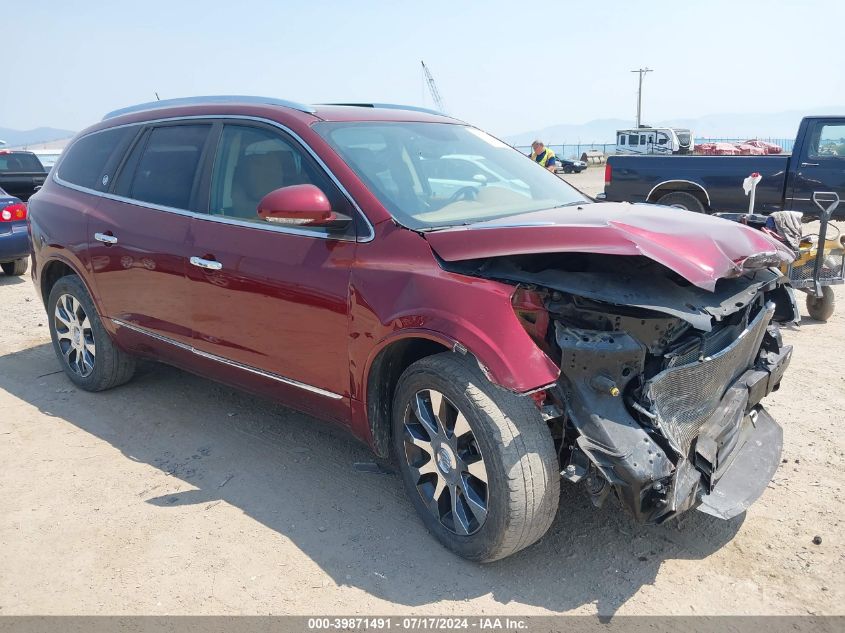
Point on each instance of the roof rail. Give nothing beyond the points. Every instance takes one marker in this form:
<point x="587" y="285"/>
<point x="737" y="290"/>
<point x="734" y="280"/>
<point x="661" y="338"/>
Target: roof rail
<point x="389" y="106"/>
<point x="213" y="99"/>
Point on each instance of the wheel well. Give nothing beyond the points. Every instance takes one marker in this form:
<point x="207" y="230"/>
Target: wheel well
<point x="382" y="380"/>
<point x="52" y="272"/>
<point x="687" y="187"/>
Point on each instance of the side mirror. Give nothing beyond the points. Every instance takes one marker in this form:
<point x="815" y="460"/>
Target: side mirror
<point x="301" y="205"/>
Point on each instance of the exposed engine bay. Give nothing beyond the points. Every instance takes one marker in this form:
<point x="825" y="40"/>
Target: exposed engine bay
<point x="658" y="399"/>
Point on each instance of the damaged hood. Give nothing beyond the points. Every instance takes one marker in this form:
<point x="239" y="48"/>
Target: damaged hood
<point x="700" y="248"/>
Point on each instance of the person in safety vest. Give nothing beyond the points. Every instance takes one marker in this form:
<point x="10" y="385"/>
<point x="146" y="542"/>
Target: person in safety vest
<point x="543" y="155"/>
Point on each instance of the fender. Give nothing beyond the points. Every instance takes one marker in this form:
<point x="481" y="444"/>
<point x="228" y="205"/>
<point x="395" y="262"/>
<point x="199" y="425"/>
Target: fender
<point x="695" y="185"/>
<point x="58" y="256"/>
<point x="445" y="340"/>
<point x="510" y="359"/>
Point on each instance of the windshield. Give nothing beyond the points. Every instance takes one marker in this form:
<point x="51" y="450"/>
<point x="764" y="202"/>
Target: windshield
<point x="432" y="175"/>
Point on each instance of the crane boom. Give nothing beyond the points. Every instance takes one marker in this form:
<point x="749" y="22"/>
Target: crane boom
<point x="432" y="87"/>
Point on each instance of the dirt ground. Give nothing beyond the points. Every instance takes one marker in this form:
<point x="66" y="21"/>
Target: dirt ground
<point x="176" y="495"/>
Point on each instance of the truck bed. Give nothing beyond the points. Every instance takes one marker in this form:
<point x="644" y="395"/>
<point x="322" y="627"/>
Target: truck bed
<point x="718" y="178"/>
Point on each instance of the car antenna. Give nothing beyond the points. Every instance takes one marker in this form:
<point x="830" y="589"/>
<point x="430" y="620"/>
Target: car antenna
<point x="157" y="97"/>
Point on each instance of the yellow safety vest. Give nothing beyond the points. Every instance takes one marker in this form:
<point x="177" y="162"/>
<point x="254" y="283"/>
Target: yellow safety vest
<point x="545" y="160"/>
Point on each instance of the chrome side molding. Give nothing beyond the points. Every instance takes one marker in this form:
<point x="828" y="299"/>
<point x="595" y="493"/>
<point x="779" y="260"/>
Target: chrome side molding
<point x="220" y="359"/>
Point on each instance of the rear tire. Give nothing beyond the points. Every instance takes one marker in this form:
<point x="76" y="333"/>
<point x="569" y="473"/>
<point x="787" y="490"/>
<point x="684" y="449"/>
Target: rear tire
<point x="15" y="268"/>
<point x="84" y="349"/>
<point x="682" y="200"/>
<point x="821" y="308"/>
<point x="486" y="450"/>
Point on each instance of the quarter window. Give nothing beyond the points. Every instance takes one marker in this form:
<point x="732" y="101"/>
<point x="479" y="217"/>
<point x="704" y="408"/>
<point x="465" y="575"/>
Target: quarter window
<point x="253" y="161"/>
<point x="167" y="169"/>
<point x="85" y="161"/>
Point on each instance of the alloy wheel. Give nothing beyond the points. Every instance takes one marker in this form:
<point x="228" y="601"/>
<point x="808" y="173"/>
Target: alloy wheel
<point x="445" y="462"/>
<point x="74" y="335"/>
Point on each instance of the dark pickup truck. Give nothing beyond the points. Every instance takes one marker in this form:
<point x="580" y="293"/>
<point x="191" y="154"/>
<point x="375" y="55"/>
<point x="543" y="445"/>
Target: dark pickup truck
<point x="714" y="183"/>
<point x="21" y="173"/>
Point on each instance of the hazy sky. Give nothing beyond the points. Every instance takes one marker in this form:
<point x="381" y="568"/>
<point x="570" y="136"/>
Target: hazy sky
<point x="502" y="65"/>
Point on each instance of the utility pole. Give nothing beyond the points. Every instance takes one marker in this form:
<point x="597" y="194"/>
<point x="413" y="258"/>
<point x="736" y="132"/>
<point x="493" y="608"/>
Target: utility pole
<point x="642" y="72"/>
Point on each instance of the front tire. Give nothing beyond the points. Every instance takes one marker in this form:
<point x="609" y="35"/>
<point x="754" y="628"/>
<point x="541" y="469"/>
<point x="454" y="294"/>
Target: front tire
<point x="821" y="308"/>
<point x="477" y="461"/>
<point x="682" y="200"/>
<point x="84" y="349"/>
<point x="15" y="268"/>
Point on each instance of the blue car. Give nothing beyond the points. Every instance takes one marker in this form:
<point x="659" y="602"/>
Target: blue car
<point x="14" y="240"/>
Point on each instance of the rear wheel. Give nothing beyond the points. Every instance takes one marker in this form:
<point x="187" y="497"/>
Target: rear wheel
<point x="682" y="200"/>
<point x="821" y="308"/>
<point x="478" y="462"/>
<point x="15" y="268"/>
<point x="85" y="350"/>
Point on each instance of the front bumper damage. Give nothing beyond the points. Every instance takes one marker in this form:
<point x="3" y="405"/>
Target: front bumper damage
<point x="661" y="380"/>
<point x="691" y="434"/>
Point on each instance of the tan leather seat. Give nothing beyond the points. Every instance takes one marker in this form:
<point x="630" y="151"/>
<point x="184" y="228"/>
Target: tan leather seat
<point x="255" y="176"/>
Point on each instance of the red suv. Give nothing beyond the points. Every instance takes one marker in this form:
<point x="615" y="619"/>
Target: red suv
<point x="406" y="275"/>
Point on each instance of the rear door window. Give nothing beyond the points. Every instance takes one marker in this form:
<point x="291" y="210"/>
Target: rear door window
<point x="84" y="163"/>
<point x="167" y="166"/>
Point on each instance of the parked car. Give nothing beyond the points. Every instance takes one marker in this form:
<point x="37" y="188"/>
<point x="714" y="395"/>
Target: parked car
<point x="714" y="183"/>
<point x="569" y="166"/>
<point x="14" y="240"/>
<point x="21" y="173"/>
<point x="491" y="342"/>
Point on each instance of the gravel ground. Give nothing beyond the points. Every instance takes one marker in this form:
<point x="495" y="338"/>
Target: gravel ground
<point x="174" y="494"/>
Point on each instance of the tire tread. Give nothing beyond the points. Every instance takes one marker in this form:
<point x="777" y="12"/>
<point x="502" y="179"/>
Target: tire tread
<point x="527" y="451"/>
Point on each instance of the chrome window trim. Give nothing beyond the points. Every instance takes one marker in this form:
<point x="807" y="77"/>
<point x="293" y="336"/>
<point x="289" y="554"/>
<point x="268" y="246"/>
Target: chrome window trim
<point x="220" y="359"/>
<point x="54" y="173"/>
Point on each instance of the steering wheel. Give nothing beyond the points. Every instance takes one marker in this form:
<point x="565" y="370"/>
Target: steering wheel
<point x="464" y="193"/>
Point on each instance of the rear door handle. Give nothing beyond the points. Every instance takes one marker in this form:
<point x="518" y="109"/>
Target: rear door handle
<point x="208" y="264"/>
<point x="105" y="238"/>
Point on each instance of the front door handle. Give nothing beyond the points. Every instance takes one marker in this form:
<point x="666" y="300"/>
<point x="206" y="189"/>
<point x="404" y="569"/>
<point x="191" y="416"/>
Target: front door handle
<point x="105" y="238"/>
<point x="208" y="264"/>
<point x="809" y="164"/>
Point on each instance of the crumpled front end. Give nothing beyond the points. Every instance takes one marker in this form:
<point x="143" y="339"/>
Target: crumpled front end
<point x="659" y="396"/>
<point x="663" y="426"/>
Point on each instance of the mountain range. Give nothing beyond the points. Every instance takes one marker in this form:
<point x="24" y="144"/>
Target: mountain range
<point x="744" y="126"/>
<point x="16" y="138"/>
<point x="777" y="125"/>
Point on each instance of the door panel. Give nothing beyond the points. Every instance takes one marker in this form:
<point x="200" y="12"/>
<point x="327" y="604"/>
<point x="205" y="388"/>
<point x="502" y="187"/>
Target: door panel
<point x="141" y="277"/>
<point x="278" y="303"/>
<point x="139" y="244"/>
<point x="821" y="167"/>
<point x="267" y="298"/>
